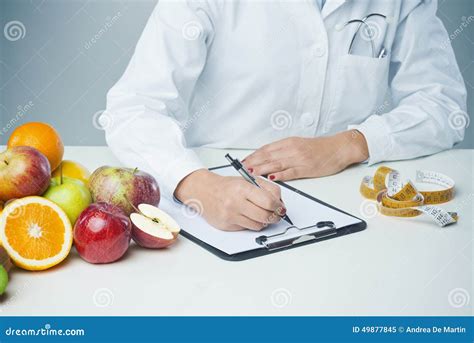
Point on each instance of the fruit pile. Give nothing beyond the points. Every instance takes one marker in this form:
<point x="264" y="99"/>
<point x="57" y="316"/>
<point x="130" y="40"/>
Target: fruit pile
<point x="47" y="204"/>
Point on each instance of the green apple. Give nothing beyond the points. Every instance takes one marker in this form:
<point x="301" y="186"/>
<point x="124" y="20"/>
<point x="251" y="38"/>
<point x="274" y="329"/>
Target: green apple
<point x="3" y="279"/>
<point x="72" y="195"/>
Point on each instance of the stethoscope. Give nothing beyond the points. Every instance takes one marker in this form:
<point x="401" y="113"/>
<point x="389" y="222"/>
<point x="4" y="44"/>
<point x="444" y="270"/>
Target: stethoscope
<point x="363" y="22"/>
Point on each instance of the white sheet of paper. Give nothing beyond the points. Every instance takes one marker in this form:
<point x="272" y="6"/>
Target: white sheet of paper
<point x="302" y="211"/>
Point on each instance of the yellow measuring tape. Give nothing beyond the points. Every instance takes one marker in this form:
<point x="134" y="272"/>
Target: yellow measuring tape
<point x="401" y="198"/>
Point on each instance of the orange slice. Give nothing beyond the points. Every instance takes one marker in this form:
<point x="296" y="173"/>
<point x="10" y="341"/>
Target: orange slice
<point x="35" y="232"/>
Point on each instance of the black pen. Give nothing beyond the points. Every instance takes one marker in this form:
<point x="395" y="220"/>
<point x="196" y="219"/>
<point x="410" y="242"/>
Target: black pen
<point x="248" y="177"/>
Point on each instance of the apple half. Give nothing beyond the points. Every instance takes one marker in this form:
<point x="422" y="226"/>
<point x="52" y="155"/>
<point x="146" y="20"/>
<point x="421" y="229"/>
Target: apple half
<point x="153" y="228"/>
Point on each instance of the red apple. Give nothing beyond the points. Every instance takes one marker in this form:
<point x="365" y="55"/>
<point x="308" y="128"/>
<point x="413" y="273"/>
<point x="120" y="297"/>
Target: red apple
<point x="124" y="187"/>
<point x="153" y="228"/>
<point x="102" y="233"/>
<point x="24" y="171"/>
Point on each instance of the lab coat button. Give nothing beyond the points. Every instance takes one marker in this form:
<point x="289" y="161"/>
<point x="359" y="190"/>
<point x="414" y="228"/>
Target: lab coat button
<point x="307" y="119"/>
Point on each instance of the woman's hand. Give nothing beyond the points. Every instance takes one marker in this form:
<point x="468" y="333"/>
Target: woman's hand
<point x="296" y="158"/>
<point x="231" y="203"/>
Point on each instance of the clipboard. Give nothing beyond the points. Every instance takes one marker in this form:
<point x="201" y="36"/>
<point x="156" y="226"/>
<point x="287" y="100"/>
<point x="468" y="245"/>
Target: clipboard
<point x="289" y="238"/>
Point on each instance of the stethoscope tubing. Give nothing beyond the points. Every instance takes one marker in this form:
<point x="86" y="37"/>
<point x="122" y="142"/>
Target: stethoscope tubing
<point x="361" y="22"/>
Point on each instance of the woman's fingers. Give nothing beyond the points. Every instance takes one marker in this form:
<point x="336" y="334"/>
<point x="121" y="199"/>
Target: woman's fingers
<point x="258" y="214"/>
<point x="271" y="187"/>
<point x="247" y="223"/>
<point x="268" y="168"/>
<point x="285" y="175"/>
<point x="264" y="162"/>
<point x="231" y="227"/>
<point x="256" y="158"/>
<point x="264" y="199"/>
<point x="275" y="190"/>
<point x="265" y="154"/>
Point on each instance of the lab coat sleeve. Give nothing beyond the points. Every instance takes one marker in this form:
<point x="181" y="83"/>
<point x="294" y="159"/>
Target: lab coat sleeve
<point x="140" y="120"/>
<point x="427" y="90"/>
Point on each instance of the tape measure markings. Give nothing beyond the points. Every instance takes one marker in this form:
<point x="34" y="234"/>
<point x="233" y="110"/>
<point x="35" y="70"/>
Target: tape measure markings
<point x="399" y="198"/>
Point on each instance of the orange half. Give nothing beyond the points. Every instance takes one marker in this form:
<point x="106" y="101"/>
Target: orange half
<point x="35" y="232"/>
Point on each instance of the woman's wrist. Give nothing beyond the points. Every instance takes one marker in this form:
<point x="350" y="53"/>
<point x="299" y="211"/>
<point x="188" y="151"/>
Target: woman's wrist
<point x="355" y="148"/>
<point x="193" y="185"/>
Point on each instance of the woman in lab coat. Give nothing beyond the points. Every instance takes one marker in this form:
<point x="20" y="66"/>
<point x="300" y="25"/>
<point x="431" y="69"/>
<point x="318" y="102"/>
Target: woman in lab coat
<point x="282" y="77"/>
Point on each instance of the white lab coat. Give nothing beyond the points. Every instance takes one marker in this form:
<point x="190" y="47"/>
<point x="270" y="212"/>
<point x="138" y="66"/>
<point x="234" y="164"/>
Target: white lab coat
<point x="240" y="74"/>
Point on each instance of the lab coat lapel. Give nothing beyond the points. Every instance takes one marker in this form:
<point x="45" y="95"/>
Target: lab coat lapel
<point x="330" y="6"/>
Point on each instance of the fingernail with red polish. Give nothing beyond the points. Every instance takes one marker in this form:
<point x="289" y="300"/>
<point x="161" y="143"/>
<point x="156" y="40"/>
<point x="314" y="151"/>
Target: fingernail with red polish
<point x="272" y="177"/>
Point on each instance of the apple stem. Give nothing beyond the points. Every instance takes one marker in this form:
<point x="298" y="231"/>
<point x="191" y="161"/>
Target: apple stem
<point x="134" y="207"/>
<point x="5" y="162"/>
<point x="135" y="170"/>
<point x="61" y="174"/>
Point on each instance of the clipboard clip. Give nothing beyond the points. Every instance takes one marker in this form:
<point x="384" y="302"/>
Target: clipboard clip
<point x="295" y="235"/>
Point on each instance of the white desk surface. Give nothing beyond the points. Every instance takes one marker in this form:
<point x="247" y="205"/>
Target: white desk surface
<point x="394" y="267"/>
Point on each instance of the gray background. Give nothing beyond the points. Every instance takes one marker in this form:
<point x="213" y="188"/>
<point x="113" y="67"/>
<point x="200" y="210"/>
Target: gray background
<point x="56" y="74"/>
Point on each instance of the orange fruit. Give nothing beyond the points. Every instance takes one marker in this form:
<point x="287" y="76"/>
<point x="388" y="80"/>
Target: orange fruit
<point x="74" y="170"/>
<point x="35" y="232"/>
<point x="41" y="136"/>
